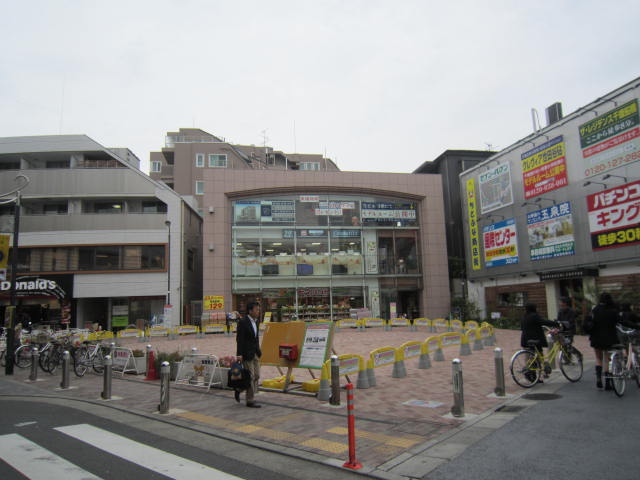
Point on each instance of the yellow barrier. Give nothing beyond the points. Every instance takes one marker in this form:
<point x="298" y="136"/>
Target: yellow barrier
<point x="440" y="323"/>
<point x="374" y="322"/>
<point x="471" y="324"/>
<point x="158" y="332"/>
<point x="456" y="325"/>
<point x="186" y="329"/>
<point x="348" y="323"/>
<point x="214" y="328"/>
<point x="399" y="322"/>
<point x="422" y="322"/>
<point x="410" y="349"/>
<point x="130" y="332"/>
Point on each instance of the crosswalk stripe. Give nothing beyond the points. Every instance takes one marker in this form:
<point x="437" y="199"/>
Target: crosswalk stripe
<point x="36" y="462"/>
<point x="151" y="458"/>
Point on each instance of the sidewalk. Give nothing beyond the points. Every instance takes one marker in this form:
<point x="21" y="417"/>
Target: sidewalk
<point x="403" y="426"/>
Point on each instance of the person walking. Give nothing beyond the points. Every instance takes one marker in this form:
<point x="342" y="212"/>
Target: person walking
<point x="602" y="336"/>
<point x="248" y="350"/>
<point x="531" y="326"/>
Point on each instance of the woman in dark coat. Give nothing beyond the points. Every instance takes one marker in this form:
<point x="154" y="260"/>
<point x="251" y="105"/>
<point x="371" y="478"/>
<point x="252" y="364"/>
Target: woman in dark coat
<point x="603" y="335"/>
<point x="531" y="326"/>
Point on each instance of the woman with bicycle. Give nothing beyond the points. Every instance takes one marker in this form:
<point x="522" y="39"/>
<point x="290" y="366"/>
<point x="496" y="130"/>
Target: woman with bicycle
<point x="603" y="335"/>
<point x="532" y="333"/>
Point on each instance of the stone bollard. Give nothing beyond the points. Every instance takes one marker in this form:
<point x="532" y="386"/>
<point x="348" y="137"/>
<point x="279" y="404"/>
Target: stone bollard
<point x="112" y="347"/>
<point x="424" y="361"/>
<point x="458" y="390"/>
<point x="335" y="380"/>
<point x="107" y="376"/>
<point x="371" y="376"/>
<point x="35" y="359"/>
<point x="500" y="390"/>
<point x="164" y="388"/>
<point x="66" y="368"/>
<point x="324" y="394"/>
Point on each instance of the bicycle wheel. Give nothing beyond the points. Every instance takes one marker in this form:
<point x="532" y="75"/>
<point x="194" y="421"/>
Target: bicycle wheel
<point x="98" y="361"/>
<point x="525" y="368"/>
<point x="55" y="358"/>
<point x="23" y="356"/>
<point x="571" y="363"/>
<point x="43" y="359"/>
<point x="617" y="374"/>
<point x="80" y="361"/>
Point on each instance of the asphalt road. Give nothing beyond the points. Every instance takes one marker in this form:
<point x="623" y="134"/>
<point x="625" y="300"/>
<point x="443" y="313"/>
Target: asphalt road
<point x="582" y="434"/>
<point x="43" y="438"/>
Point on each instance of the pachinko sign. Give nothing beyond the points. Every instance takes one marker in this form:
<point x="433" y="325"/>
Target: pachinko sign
<point x="544" y="168"/>
<point x="611" y="140"/>
<point x="551" y="232"/>
<point x="614" y="216"/>
<point x="495" y="188"/>
<point x="500" y="243"/>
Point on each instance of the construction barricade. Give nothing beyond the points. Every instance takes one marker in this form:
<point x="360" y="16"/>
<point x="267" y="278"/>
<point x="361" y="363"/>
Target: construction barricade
<point x="399" y="322"/>
<point x="471" y="324"/>
<point x="455" y="338"/>
<point x="433" y="346"/>
<point x="456" y="325"/>
<point x="439" y="324"/>
<point x="130" y="333"/>
<point x="373" y="322"/>
<point x="349" y="364"/>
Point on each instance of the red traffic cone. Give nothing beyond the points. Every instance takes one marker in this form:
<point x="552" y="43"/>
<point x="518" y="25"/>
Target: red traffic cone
<point x="152" y="374"/>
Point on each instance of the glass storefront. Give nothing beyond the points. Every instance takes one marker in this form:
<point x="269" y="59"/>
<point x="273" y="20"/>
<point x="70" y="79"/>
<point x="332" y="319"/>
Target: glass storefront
<point x="320" y="256"/>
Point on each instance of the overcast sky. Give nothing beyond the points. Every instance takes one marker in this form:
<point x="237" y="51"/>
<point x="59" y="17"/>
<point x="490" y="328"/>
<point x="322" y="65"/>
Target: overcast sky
<point x="376" y="85"/>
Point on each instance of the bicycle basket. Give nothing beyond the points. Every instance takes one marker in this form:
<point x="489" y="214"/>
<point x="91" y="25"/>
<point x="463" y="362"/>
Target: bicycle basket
<point x="628" y="335"/>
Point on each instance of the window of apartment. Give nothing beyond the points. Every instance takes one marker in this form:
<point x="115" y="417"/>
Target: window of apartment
<point x="199" y="187"/>
<point x="154" y="207"/>
<point x="58" y="164"/>
<point x="156" y="166"/>
<point x="200" y="160"/>
<point x="107" y="258"/>
<point x="55" y="208"/>
<point x="310" y="166"/>
<point x="216" y="160"/>
<point x="108" y="207"/>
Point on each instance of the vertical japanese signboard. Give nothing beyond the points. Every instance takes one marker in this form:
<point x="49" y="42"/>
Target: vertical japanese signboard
<point x="614" y="216"/>
<point x="495" y="188"/>
<point x="544" y="168"/>
<point x="551" y="232"/>
<point x="473" y="224"/>
<point x="611" y="140"/>
<point x="500" y="243"/>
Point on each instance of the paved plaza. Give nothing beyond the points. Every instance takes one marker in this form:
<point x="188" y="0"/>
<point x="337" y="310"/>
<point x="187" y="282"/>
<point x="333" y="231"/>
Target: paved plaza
<point x="397" y="421"/>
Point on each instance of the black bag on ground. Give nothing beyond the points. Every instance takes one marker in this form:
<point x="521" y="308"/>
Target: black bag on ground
<point x="238" y="377"/>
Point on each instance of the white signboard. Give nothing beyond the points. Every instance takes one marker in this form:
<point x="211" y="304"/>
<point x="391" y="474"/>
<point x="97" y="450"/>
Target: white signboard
<point x="314" y="347"/>
<point x="495" y="188"/>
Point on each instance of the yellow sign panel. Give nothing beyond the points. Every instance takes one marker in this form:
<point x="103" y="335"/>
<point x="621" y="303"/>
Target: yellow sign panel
<point x="213" y="302"/>
<point x="4" y="250"/>
<point x="473" y="224"/>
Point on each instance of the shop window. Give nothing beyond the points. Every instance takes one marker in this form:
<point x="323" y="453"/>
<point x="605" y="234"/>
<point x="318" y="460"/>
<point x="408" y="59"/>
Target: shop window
<point x="107" y="258"/>
<point x="512" y="299"/>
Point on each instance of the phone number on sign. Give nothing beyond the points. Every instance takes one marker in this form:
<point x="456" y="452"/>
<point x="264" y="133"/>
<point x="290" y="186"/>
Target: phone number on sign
<point x="613" y="163"/>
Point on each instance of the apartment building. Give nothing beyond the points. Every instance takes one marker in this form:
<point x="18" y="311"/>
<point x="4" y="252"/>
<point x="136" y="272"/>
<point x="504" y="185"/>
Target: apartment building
<point x="190" y="152"/>
<point x="100" y="242"/>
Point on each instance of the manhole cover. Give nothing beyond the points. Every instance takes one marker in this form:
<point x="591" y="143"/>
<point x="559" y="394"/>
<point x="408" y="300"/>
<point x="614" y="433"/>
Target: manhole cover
<point x="541" y="396"/>
<point x="510" y="409"/>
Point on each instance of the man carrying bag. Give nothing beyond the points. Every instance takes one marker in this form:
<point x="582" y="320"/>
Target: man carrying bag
<point x="248" y="349"/>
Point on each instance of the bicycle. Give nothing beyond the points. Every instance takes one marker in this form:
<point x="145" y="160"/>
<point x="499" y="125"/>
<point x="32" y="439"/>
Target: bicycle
<point x="88" y="355"/>
<point x="529" y="364"/>
<point x="51" y="354"/>
<point x="624" y="364"/>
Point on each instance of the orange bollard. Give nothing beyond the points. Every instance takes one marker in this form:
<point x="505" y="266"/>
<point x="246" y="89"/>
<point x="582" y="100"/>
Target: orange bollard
<point x="152" y="374"/>
<point x="352" y="463"/>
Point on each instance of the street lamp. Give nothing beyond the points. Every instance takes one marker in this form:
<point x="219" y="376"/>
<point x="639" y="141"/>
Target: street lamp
<point x="168" y="224"/>
<point x="14" y="270"/>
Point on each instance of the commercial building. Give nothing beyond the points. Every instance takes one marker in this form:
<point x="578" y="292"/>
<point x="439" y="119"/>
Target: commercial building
<point x="558" y="212"/>
<point x="449" y="165"/>
<point x="100" y="242"/>
<point x="307" y="240"/>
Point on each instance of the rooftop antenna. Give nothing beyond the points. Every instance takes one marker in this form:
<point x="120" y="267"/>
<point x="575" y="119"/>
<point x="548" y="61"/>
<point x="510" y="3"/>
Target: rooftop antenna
<point x="489" y="146"/>
<point x="264" y="145"/>
<point x="64" y="81"/>
<point x="295" y="140"/>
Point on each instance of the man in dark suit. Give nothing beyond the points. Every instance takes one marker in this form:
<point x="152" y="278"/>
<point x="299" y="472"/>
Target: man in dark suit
<point x="248" y="349"/>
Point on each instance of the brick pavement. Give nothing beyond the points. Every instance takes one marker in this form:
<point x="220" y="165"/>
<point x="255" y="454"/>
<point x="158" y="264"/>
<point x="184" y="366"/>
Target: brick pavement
<point x="388" y="422"/>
